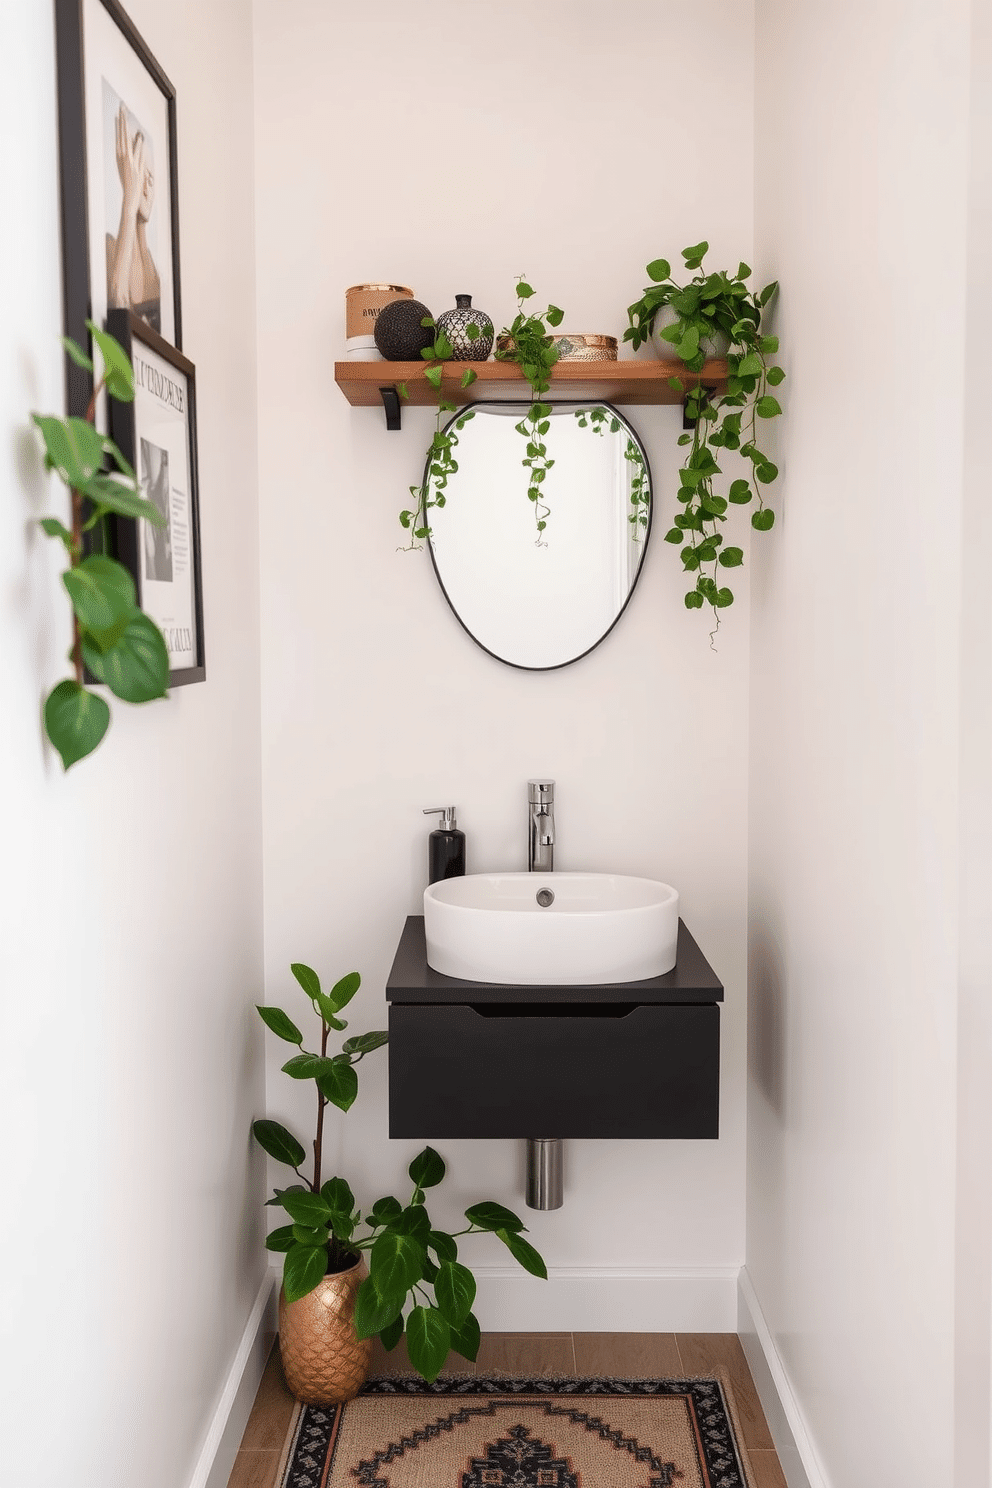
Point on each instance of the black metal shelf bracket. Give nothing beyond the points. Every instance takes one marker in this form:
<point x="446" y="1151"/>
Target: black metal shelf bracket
<point x="391" y="406"/>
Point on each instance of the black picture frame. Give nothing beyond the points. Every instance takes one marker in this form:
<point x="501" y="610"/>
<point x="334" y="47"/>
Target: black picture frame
<point x="164" y="562"/>
<point x="100" y="54"/>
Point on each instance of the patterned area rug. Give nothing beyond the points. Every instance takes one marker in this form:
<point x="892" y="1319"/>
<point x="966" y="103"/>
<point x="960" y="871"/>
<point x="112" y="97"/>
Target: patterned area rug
<point x="498" y="1432"/>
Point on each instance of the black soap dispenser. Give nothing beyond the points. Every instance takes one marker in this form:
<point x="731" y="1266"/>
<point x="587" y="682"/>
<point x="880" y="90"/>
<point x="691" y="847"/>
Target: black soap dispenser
<point x="446" y="846"/>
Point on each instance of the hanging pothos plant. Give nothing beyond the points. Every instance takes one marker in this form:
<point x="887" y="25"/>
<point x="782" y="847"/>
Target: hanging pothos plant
<point x="601" y="419"/>
<point x="111" y="637"/>
<point x="708" y="306"/>
<point x="528" y="343"/>
<point x="441" y="463"/>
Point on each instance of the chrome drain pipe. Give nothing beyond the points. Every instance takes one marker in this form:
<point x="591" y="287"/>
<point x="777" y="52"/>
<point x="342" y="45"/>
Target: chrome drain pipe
<point x="545" y="1172"/>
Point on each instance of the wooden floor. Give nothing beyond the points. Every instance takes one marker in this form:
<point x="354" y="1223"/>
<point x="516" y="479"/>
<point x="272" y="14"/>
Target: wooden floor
<point x="536" y="1353"/>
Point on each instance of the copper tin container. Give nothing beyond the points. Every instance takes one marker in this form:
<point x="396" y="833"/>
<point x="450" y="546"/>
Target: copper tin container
<point x="324" y="1360"/>
<point x="574" y="348"/>
<point x="363" y="303"/>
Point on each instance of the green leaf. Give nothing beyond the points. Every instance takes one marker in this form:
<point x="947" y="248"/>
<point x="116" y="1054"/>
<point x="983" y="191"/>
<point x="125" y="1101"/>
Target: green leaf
<point x="740" y="492"/>
<point x="693" y="601"/>
<point x="396" y="1262"/>
<point x="731" y="557"/>
<point x="117" y="370"/>
<point x="101" y="590"/>
<point x="136" y="665"/>
<point x="339" y="1084"/>
<point x="767" y="407"/>
<point x="689" y="344"/>
<point x="775" y="376"/>
<point x="306" y="1208"/>
<point x="524" y="1253"/>
<point x="384" y="1210"/>
<point x="278" y="1193"/>
<point x="694" y="256"/>
<point x="469" y="375"/>
<point x="659" y="269"/>
<point x="337" y="1194"/>
<point x="524" y="290"/>
<point x="443" y="1246"/>
<point x="455" y="1292"/>
<point x="768" y="345"/>
<point x="328" y="1012"/>
<point x="280" y="1239"/>
<point x="428" y="1341"/>
<point x="73" y="448"/>
<point x="364" y="1043"/>
<point x="390" y="1336"/>
<point x="674" y="535"/>
<point x="124" y="465"/>
<point x="306" y="1066"/>
<point x="766" y="473"/>
<point x="427" y="1168"/>
<point x="76" y="354"/>
<point x="278" y="1142"/>
<point x="722" y="598"/>
<point x="308" y="1235"/>
<point x="491" y="1216"/>
<point x="749" y="366"/>
<point x="764" y="520"/>
<point x="555" y="316"/>
<point x="75" y="721"/>
<point x="743" y="271"/>
<point x="306" y="1266"/>
<point x="374" y="1312"/>
<point x="54" y="528"/>
<point x="307" y="978"/>
<point x="443" y="348"/>
<point x="466" y="1339"/>
<point x="433" y="376"/>
<point x="343" y="991"/>
<point x="413" y="1221"/>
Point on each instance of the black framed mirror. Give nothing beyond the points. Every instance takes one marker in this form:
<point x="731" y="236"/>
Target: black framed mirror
<point x="541" y="600"/>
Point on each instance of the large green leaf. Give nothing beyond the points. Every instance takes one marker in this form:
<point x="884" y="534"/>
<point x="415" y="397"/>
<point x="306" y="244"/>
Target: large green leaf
<point x="390" y="1336"/>
<point x="306" y="1208"/>
<point x="307" y="978"/>
<point x="364" y="1043"/>
<point x="490" y="1216"/>
<point x="135" y="666"/>
<point x="396" y="1262"/>
<point x="281" y="1239"/>
<point x="384" y="1210"/>
<point x="101" y="590"/>
<point x="443" y="1246"/>
<point x="427" y="1168"/>
<point x="339" y="1084"/>
<point x="311" y="1234"/>
<point x="415" y="1221"/>
<point x="454" y="1288"/>
<point x="524" y="1253"/>
<point x="75" y="721"/>
<point x="343" y="991"/>
<point x="337" y="1194"/>
<point x="280" y="1023"/>
<point x="374" y="1312"/>
<point x="73" y="448"/>
<point x="305" y="1066"/>
<point x="467" y="1338"/>
<point x="306" y="1265"/>
<point x="117" y="494"/>
<point x="117" y="371"/>
<point x="428" y="1341"/>
<point x="279" y="1143"/>
<point x="76" y="354"/>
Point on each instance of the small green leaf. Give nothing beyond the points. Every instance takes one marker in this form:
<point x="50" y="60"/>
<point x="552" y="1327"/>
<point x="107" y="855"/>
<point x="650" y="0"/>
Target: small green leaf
<point x="731" y="557"/>
<point x="305" y="1066"/>
<point x="466" y="1339"/>
<point x="281" y="1025"/>
<point x="555" y="316"/>
<point x="75" y="721"/>
<point x="306" y="1208"/>
<point x="413" y="1221"/>
<point x="722" y="598"/>
<point x="117" y="370"/>
<point x="764" y="520"/>
<point x="455" y="1291"/>
<point x="364" y="1043"/>
<point x="659" y="269"/>
<point x="433" y="376"/>
<point x="525" y="1253"/>
<point x="384" y="1210"/>
<point x="673" y="535"/>
<point x="338" y="1083"/>
<point x="54" y="528"/>
<point x="524" y="290"/>
<point x="427" y="1168"/>
<point x="337" y="1194"/>
<point x="740" y="492"/>
<point x="308" y="1235"/>
<point x="749" y="366"/>
<point x="374" y="1312"/>
<point x="136" y="666"/>
<point x="280" y="1239"/>
<point x="775" y="376"/>
<point x="396" y="1262"/>
<point x="76" y="354"/>
<point x="307" y="977"/>
<point x="428" y="1341"/>
<point x="443" y="1246"/>
<point x="694" y="256"/>
<point x="693" y="601"/>
<point x="766" y="473"/>
<point x="469" y="376"/>
<point x="328" y="1012"/>
<point x="73" y="448"/>
<point x="492" y="1216"/>
<point x="278" y="1142"/>
<point x="101" y="590"/>
<point x="343" y="991"/>
<point x="306" y="1266"/>
<point x="767" y="407"/>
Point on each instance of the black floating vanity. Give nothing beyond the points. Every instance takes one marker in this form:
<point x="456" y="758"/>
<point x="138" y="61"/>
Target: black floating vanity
<point x="626" y="1059"/>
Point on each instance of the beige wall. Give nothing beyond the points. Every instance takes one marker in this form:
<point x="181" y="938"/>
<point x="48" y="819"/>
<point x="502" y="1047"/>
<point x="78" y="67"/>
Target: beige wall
<point x="131" y="944"/>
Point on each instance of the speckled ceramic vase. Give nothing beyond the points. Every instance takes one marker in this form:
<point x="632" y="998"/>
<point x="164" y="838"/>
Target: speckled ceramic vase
<point x="324" y="1360"/>
<point x="455" y="324"/>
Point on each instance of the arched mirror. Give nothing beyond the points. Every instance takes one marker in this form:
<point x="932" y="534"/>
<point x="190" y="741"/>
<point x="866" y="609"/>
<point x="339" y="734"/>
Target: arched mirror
<point x="542" y="600"/>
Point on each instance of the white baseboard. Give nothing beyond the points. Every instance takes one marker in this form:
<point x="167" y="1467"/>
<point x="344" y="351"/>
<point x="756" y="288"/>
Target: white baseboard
<point x="785" y="1421"/>
<point x="607" y="1299"/>
<point x="216" y="1460"/>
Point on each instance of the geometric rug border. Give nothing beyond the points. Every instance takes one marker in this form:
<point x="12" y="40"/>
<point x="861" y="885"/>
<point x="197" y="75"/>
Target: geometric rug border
<point x="711" y="1393"/>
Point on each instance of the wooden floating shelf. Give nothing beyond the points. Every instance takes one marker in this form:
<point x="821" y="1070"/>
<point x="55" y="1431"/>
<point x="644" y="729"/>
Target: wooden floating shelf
<point x="593" y="382"/>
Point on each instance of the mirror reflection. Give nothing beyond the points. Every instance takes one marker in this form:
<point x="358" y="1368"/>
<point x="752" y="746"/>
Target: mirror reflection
<point x="542" y="599"/>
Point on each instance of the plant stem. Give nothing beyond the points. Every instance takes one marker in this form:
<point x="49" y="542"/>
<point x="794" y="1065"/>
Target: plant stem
<point x="321" y="1103"/>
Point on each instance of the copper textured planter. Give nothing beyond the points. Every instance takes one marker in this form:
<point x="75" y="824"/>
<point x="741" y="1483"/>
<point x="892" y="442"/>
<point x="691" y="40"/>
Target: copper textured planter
<point x="323" y="1358"/>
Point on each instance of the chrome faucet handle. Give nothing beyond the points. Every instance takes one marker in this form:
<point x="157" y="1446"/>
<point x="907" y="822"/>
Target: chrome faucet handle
<point x="541" y="792"/>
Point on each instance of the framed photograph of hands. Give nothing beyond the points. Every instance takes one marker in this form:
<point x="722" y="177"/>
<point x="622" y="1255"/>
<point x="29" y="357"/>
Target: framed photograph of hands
<point x="117" y="146"/>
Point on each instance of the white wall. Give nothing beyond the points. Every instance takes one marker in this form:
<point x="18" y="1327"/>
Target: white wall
<point x="131" y="945"/>
<point x="860" y="707"/>
<point x="411" y="146"/>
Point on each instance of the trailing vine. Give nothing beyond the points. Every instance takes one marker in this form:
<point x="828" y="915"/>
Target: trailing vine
<point x="640" y="491"/>
<point x="441" y="463"/>
<point x="528" y="343"/>
<point x="708" y="304"/>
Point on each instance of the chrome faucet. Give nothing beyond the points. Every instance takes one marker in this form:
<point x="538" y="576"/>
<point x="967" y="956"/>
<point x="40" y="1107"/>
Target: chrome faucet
<point x="541" y="826"/>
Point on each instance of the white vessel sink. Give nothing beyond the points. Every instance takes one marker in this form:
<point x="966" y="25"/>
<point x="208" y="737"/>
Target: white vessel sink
<point x="599" y="928"/>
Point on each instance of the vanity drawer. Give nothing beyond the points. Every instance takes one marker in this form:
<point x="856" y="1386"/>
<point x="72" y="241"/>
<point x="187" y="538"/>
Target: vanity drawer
<point x="574" y="1070"/>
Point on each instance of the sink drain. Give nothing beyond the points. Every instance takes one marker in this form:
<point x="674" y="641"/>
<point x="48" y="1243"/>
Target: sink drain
<point x="545" y="897"/>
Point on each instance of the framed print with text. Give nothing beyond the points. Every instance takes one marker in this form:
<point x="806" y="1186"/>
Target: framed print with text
<point x="117" y="147"/>
<point x="157" y="434"/>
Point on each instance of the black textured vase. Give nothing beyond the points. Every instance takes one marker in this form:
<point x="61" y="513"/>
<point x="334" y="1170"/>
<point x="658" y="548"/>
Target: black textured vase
<point x="455" y="324"/>
<point x="398" y="332"/>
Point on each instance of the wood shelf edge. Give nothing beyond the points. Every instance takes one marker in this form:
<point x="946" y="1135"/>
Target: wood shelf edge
<point x="607" y="382"/>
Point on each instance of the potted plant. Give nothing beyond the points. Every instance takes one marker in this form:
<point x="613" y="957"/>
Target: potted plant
<point x="711" y="315"/>
<point x="111" y="637"/>
<point x="332" y="1303"/>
